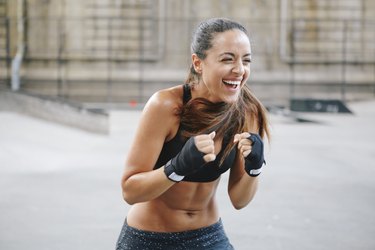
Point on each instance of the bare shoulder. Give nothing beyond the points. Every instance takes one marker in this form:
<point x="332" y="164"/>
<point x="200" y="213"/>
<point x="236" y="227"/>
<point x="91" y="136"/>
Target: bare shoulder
<point x="159" y="122"/>
<point x="162" y="108"/>
<point x="165" y="103"/>
<point x="166" y="99"/>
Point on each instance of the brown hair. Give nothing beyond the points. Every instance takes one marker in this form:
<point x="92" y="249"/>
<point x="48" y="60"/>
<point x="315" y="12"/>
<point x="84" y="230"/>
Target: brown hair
<point x="200" y="115"/>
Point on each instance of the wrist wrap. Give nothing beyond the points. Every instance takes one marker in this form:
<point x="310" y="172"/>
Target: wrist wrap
<point x="254" y="161"/>
<point x="186" y="162"/>
<point x="171" y="174"/>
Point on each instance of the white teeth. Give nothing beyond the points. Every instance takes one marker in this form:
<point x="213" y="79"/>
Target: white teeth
<point x="233" y="82"/>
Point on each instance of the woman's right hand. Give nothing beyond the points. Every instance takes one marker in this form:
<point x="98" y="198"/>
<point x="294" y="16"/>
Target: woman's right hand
<point x="196" y="152"/>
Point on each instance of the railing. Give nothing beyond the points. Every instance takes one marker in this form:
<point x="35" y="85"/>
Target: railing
<point x="114" y="60"/>
<point x="346" y="44"/>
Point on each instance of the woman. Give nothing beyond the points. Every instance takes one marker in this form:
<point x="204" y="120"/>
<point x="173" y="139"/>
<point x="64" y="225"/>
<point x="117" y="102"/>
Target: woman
<point x="187" y="137"/>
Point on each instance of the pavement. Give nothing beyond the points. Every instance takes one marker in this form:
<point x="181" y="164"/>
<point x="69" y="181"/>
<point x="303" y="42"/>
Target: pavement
<point x="60" y="186"/>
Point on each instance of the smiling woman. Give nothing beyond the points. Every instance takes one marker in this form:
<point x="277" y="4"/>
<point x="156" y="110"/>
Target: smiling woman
<point x="187" y="137"/>
<point x="225" y="67"/>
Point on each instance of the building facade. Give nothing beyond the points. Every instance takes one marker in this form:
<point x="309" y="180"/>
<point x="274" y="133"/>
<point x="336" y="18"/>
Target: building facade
<point x="120" y="51"/>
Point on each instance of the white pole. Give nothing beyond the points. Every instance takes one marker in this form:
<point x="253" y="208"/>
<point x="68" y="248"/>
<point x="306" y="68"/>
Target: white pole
<point x="17" y="60"/>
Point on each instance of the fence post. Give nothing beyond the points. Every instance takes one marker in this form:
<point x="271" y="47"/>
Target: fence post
<point x="141" y="59"/>
<point x="7" y="47"/>
<point x="109" y="62"/>
<point x="61" y="88"/>
<point x="292" y="62"/>
<point x="344" y="60"/>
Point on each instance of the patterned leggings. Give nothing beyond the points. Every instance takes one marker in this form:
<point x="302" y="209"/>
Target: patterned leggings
<point x="211" y="237"/>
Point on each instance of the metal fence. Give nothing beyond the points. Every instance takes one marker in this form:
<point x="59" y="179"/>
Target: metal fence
<point x="109" y="60"/>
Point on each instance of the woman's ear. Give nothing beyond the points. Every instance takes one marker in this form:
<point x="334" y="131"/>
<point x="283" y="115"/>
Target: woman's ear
<point x="197" y="63"/>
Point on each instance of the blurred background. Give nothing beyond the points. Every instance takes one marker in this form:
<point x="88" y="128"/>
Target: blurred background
<point x="116" y="53"/>
<point x="92" y="64"/>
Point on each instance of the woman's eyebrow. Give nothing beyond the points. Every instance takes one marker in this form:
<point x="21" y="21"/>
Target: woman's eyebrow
<point x="227" y="54"/>
<point x="232" y="54"/>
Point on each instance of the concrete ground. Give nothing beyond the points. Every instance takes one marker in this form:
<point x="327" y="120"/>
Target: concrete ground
<point x="60" y="186"/>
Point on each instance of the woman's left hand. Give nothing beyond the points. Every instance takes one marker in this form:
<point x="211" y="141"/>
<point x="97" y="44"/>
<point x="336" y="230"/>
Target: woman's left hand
<point x="244" y="144"/>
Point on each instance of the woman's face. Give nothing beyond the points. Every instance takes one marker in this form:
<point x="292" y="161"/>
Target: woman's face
<point x="226" y="67"/>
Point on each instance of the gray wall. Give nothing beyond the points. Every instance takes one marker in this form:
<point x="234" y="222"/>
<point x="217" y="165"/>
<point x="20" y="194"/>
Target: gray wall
<point x="117" y="51"/>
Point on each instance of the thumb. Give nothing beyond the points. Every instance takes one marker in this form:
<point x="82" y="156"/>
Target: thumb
<point x="212" y="135"/>
<point x="236" y="138"/>
<point x="209" y="157"/>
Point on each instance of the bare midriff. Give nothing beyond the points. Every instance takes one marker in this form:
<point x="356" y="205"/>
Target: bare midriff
<point x="185" y="206"/>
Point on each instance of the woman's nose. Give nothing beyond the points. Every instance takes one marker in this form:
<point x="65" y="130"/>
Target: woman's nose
<point x="239" y="68"/>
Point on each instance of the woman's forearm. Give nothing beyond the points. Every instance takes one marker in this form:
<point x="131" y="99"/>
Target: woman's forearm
<point x="145" y="186"/>
<point x="243" y="191"/>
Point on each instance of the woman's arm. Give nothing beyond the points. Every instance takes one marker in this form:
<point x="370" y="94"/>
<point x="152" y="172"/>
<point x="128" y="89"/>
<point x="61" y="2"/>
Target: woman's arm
<point x="158" y="122"/>
<point x="145" y="186"/>
<point x="241" y="186"/>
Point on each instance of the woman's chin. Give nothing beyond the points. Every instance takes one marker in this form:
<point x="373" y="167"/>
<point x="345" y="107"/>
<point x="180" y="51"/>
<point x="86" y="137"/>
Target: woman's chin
<point x="230" y="100"/>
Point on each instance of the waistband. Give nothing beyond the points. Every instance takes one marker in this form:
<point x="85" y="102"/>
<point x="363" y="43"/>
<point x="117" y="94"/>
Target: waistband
<point x="209" y="230"/>
<point x="211" y="237"/>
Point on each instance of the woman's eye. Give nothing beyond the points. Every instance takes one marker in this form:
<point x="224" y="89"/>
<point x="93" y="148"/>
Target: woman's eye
<point x="227" y="59"/>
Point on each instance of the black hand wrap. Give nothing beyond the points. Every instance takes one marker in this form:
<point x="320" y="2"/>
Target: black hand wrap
<point x="254" y="161"/>
<point x="188" y="161"/>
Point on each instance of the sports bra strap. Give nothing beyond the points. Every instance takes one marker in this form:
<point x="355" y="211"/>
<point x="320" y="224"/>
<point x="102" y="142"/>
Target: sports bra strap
<point x="187" y="93"/>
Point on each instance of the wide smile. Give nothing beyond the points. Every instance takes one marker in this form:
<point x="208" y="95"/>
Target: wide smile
<point x="232" y="84"/>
